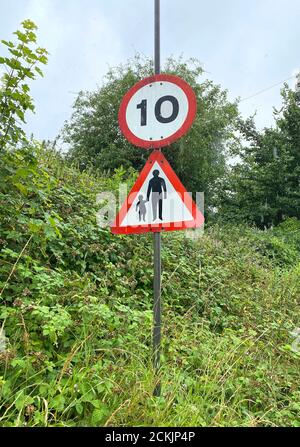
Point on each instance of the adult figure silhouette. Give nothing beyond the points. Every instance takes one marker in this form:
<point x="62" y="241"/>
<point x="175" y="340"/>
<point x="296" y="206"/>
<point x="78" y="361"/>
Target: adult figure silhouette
<point x="157" y="186"/>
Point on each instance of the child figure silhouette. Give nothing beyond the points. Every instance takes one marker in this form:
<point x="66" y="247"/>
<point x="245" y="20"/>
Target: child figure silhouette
<point x="141" y="207"/>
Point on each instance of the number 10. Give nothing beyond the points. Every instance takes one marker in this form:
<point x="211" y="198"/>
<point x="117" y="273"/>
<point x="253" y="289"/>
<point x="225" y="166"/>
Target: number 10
<point x="157" y="110"/>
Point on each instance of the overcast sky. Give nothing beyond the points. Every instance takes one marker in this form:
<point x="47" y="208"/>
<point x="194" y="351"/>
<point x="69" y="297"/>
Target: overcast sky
<point x="245" y="46"/>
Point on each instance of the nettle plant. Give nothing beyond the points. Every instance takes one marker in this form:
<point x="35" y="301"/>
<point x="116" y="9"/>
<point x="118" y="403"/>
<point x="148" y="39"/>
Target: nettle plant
<point x="19" y="66"/>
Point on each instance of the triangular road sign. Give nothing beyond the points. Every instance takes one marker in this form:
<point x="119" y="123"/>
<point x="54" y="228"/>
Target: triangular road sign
<point x="157" y="202"/>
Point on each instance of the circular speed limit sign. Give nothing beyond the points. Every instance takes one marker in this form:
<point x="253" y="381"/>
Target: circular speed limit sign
<point x="157" y="111"/>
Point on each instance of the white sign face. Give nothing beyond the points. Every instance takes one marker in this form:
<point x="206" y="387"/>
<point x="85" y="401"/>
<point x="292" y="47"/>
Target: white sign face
<point x="150" y="207"/>
<point x="158" y="201"/>
<point x="157" y="111"/>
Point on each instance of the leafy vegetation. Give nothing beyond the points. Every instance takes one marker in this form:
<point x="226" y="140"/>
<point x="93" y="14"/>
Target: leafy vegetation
<point x="21" y="65"/>
<point x="263" y="188"/>
<point x="76" y="308"/>
<point x="77" y="312"/>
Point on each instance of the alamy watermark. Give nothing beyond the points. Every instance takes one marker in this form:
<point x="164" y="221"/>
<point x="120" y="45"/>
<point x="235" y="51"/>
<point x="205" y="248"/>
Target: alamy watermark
<point x="3" y="340"/>
<point x="296" y="343"/>
<point x="152" y="206"/>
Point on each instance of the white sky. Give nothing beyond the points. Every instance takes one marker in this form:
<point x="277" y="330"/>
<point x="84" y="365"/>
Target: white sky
<point x="244" y="45"/>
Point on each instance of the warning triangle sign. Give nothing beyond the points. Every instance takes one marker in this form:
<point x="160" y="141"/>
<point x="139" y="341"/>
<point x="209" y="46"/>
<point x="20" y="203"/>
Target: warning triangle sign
<point x="157" y="202"/>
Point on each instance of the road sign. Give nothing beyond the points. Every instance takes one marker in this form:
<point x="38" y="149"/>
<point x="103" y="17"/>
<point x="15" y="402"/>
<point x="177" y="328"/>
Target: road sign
<point x="157" y="202"/>
<point x="157" y="111"/>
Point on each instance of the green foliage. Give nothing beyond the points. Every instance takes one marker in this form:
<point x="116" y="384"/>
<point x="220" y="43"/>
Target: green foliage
<point x="198" y="158"/>
<point x="20" y="65"/>
<point x="76" y="307"/>
<point x="263" y="188"/>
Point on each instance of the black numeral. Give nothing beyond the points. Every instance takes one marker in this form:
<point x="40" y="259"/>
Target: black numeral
<point x="143" y="107"/>
<point x="157" y="110"/>
<point x="174" y="113"/>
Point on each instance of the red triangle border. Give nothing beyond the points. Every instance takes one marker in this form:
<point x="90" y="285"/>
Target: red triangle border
<point x="198" y="218"/>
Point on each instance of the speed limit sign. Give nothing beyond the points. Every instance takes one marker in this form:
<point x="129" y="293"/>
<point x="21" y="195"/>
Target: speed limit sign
<point x="157" y="111"/>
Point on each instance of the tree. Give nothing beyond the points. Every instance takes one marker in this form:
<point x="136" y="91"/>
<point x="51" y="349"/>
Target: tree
<point x="264" y="187"/>
<point x="199" y="157"/>
<point x="21" y="66"/>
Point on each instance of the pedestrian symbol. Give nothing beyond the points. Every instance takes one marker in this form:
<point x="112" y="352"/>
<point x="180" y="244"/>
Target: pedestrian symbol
<point x="157" y="186"/>
<point x="141" y="208"/>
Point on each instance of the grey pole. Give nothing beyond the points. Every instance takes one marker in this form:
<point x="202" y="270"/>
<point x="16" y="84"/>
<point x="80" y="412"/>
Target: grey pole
<point x="157" y="37"/>
<point x="157" y="238"/>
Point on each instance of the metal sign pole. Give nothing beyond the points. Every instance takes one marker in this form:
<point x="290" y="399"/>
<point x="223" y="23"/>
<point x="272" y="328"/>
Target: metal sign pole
<point x="157" y="238"/>
<point x="157" y="37"/>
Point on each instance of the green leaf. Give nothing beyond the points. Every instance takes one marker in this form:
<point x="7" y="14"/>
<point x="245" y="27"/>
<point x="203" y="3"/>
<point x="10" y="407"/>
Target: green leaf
<point x="21" y="188"/>
<point x="21" y="115"/>
<point x="23" y="400"/>
<point x="79" y="408"/>
<point x="25" y="88"/>
<point x="21" y="36"/>
<point x="57" y="403"/>
<point x="8" y="43"/>
<point x="15" y="52"/>
<point x="29" y="25"/>
<point x="43" y="59"/>
<point x="39" y="71"/>
<point x="98" y="415"/>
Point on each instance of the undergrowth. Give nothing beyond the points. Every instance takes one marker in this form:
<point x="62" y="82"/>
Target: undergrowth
<point x="76" y="312"/>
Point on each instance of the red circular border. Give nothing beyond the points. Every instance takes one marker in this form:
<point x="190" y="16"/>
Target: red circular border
<point x="192" y="110"/>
